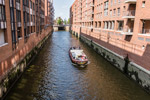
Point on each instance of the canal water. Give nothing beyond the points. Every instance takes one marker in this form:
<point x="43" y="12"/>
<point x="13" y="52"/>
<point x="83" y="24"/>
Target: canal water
<point x="51" y="76"/>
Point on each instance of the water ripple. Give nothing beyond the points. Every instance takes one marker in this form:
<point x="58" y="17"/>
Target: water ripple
<point x="53" y="77"/>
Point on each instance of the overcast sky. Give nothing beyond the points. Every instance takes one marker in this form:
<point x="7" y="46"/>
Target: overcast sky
<point x="62" y="8"/>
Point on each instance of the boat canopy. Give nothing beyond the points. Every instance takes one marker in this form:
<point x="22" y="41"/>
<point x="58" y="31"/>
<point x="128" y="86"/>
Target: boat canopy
<point x="77" y="53"/>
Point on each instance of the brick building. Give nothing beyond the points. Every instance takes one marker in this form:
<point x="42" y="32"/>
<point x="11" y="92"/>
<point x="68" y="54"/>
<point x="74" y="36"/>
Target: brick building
<point x="49" y="12"/>
<point x="23" y="24"/>
<point x="122" y="26"/>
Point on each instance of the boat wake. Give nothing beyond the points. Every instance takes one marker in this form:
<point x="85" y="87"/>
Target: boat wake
<point x="81" y="66"/>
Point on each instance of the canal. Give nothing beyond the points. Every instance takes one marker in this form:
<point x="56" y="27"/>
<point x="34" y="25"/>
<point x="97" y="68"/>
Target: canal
<point x="51" y="76"/>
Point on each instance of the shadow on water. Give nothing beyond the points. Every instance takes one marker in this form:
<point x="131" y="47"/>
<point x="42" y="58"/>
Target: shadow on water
<point x="51" y="76"/>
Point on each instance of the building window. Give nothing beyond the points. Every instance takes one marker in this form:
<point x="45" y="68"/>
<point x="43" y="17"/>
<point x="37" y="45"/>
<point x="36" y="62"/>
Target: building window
<point x="30" y="4"/>
<point x="110" y="12"/>
<point x="95" y="24"/>
<point x="114" y="12"/>
<point x="105" y="25"/>
<point x="111" y="2"/>
<point x="143" y="4"/>
<point x="106" y="8"/>
<point x="112" y="25"/>
<point x="115" y="1"/>
<point x="27" y="3"/>
<point x="18" y="1"/>
<point x="2" y="13"/>
<point x="24" y="2"/>
<point x="2" y="36"/>
<point x="99" y="24"/>
<point x="19" y="32"/>
<point x="13" y="25"/>
<point x="145" y="27"/>
<point x="105" y="12"/>
<point x="18" y="15"/>
<point x="120" y="25"/>
<point x="31" y="18"/>
<point x="24" y="17"/>
<point x="33" y="6"/>
<point x="28" y="17"/>
<point x="28" y="31"/>
<point x="118" y="11"/>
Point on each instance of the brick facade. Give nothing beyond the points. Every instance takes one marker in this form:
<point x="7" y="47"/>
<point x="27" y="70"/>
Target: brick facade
<point x="122" y="26"/>
<point x="24" y="23"/>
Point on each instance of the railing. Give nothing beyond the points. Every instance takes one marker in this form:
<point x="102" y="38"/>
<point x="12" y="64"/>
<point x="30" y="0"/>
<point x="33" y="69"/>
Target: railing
<point x="129" y="13"/>
<point x="18" y="6"/>
<point x="120" y="28"/>
<point x="106" y="7"/>
<point x="2" y="2"/>
<point x="18" y="24"/>
<point x="128" y="30"/>
<point x="92" y="4"/>
<point x="91" y="18"/>
<point x="132" y="1"/>
<point x="92" y="12"/>
<point x="134" y="48"/>
<point x="145" y="31"/>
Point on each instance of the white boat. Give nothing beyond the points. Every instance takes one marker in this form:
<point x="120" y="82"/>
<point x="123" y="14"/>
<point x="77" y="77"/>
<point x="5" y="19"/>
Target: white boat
<point x="77" y="56"/>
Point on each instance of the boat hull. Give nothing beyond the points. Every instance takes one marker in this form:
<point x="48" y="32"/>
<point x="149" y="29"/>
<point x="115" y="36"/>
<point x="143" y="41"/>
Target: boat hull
<point x="78" y="62"/>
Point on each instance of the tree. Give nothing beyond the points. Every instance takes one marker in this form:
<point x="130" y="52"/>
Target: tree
<point x="65" y="21"/>
<point x="59" y="20"/>
<point x="68" y="21"/>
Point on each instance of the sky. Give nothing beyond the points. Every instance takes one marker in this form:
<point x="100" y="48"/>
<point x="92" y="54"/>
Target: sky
<point x="62" y="8"/>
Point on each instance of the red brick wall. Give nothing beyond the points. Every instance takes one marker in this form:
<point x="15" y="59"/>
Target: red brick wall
<point x="13" y="58"/>
<point x="10" y="56"/>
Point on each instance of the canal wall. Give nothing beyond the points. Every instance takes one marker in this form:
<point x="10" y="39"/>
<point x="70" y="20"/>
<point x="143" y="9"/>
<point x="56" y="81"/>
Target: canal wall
<point x="11" y="76"/>
<point x="123" y="63"/>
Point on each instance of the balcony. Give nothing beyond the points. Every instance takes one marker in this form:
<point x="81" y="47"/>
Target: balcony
<point x="129" y="14"/>
<point x="91" y="19"/>
<point x="2" y="2"/>
<point x="18" y="24"/>
<point x="106" y="7"/>
<point x="92" y="12"/>
<point x="130" y="1"/>
<point x="3" y="25"/>
<point x="128" y="31"/>
<point x="145" y="31"/>
<point x="18" y="6"/>
<point x="120" y="29"/>
<point x="92" y="5"/>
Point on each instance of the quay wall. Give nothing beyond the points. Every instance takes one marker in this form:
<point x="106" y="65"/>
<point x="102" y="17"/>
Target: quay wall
<point x="13" y="66"/>
<point x="123" y="61"/>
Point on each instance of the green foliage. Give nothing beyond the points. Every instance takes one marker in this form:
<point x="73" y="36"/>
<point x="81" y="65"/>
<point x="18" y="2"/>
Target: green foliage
<point x="65" y="21"/>
<point x="59" y="21"/>
<point x="68" y="21"/>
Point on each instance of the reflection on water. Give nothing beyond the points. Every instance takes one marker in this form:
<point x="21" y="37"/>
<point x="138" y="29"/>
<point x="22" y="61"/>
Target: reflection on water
<point x="52" y="76"/>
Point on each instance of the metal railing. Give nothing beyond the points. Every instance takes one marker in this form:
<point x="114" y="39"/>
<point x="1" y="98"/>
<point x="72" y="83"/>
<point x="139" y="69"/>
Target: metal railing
<point x="120" y="28"/>
<point x="129" y="13"/>
<point x="92" y="5"/>
<point x="128" y="30"/>
<point x="145" y="31"/>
